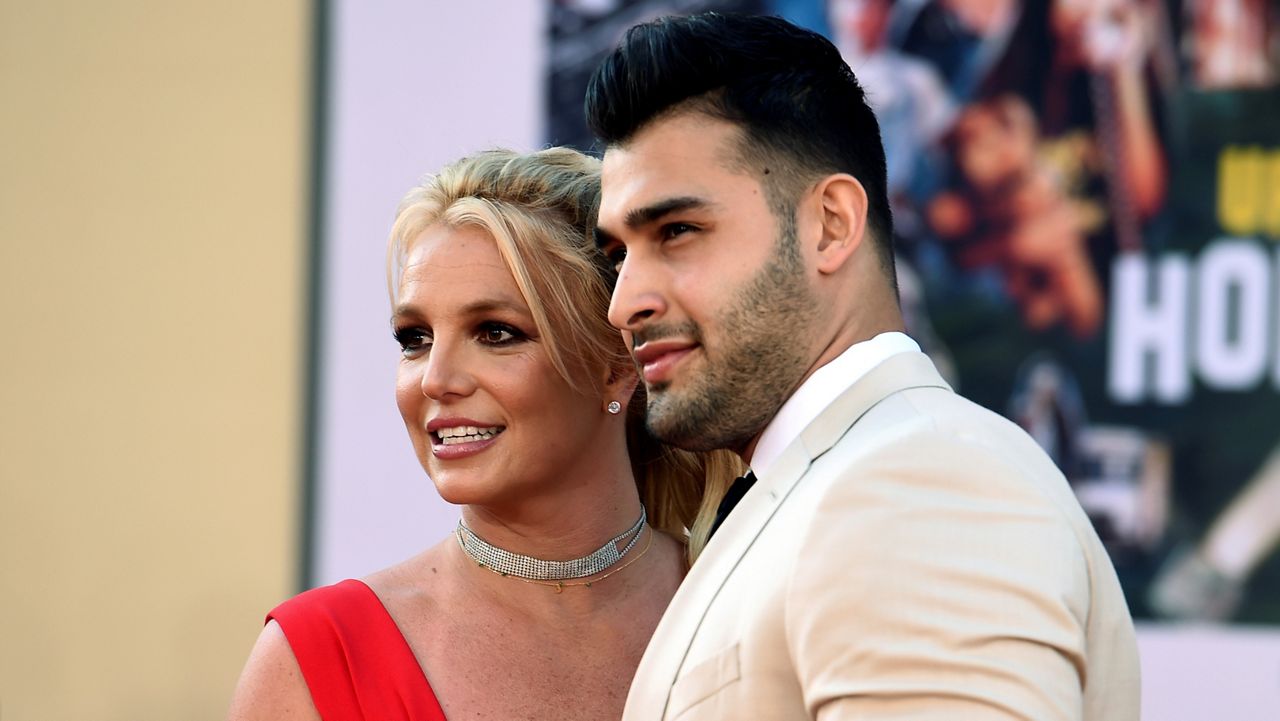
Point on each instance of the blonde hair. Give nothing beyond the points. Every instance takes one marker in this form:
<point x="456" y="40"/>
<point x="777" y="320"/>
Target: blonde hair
<point x="540" y="208"/>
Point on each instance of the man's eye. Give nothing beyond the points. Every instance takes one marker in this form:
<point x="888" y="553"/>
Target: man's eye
<point x="616" y="256"/>
<point x="672" y="230"/>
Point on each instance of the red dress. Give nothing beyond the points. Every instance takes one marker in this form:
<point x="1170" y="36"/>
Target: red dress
<point x="356" y="662"/>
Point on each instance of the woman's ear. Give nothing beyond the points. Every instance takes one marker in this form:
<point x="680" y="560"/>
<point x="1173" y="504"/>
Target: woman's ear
<point x="620" y="385"/>
<point x="843" y="206"/>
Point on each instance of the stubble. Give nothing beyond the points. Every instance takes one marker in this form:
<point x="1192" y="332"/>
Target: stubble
<point x="752" y="362"/>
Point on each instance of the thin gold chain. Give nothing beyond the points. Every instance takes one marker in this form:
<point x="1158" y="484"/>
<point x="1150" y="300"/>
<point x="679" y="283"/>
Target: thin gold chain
<point x="559" y="586"/>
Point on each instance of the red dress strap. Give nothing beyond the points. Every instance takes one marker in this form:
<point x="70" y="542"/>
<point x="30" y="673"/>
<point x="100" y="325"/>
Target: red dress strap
<point x="356" y="662"/>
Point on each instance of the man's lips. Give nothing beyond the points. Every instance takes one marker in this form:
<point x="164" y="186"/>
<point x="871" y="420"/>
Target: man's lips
<point x="658" y="359"/>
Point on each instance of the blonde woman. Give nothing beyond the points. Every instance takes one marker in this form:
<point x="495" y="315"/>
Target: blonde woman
<point x="522" y="404"/>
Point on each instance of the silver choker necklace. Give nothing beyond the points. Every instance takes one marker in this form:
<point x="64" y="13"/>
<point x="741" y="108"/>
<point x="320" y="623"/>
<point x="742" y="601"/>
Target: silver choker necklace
<point x="507" y="563"/>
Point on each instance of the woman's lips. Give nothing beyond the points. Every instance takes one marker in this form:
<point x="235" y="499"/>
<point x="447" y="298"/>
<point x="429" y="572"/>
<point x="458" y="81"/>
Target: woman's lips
<point x="457" y="428"/>
<point x="460" y="450"/>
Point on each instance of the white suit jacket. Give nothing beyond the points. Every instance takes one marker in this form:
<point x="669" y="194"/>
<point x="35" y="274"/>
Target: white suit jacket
<point x="911" y="555"/>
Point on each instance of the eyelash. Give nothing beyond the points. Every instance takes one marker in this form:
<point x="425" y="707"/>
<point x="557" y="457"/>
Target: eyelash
<point x="415" y="341"/>
<point x="670" y="230"/>
<point x="616" y="256"/>
<point x="412" y="340"/>
<point x="514" y="335"/>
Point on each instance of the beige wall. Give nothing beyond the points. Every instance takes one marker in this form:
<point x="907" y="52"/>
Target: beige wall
<point x="153" y="160"/>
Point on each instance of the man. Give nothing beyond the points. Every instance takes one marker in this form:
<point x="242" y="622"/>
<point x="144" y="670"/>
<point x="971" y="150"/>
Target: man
<point x="904" y="553"/>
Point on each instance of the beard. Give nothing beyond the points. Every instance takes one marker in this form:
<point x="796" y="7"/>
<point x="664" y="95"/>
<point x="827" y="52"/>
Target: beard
<point x="751" y="365"/>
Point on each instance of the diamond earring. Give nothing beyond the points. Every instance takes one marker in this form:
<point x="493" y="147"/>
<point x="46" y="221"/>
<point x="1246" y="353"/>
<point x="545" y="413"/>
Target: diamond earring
<point x="614" y="407"/>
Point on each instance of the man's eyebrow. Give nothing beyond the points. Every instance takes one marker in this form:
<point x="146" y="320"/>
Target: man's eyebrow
<point x="649" y="214"/>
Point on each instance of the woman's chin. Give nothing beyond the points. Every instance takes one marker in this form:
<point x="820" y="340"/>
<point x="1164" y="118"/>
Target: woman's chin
<point x="461" y="492"/>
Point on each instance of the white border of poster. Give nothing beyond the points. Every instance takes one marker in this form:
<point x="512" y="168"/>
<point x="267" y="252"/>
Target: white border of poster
<point x="414" y="85"/>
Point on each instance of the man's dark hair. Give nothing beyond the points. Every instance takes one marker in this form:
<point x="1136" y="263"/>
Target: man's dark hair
<point x="802" y="111"/>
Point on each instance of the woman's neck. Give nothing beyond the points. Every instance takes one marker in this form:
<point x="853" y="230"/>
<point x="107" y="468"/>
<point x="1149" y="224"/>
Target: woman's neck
<point x="571" y="522"/>
<point x="654" y="564"/>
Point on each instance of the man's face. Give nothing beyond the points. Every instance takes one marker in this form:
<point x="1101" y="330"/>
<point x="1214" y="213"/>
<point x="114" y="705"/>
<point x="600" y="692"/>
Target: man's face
<point x="713" y="294"/>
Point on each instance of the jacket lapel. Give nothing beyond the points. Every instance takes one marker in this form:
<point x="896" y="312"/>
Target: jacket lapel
<point x="651" y="689"/>
<point x="672" y="639"/>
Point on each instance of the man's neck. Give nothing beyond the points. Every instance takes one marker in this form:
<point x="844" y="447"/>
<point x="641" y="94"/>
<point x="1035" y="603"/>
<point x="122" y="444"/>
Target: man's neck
<point x="820" y="386"/>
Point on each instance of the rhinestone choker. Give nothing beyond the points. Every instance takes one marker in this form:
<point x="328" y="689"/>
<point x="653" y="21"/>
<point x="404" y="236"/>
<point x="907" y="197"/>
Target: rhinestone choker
<point x="507" y="563"/>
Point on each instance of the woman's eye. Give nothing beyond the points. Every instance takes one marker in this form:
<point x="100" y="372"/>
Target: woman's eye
<point x="498" y="334"/>
<point x="412" y="341"/>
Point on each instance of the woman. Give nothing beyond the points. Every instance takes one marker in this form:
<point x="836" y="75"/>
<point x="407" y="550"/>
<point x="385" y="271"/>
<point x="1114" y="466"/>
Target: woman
<point x="522" y="404"/>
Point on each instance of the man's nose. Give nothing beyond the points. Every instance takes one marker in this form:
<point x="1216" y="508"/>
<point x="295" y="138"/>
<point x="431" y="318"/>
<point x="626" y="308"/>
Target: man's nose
<point x="638" y="296"/>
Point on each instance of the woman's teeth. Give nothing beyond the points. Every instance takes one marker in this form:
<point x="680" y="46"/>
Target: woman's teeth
<point x="466" y="434"/>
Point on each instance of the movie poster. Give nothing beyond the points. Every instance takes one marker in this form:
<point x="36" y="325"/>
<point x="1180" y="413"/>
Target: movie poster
<point x="1087" y="207"/>
<point x="582" y="32"/>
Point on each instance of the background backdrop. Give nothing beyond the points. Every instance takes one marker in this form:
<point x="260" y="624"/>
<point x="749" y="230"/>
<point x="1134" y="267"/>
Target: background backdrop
<point x="154" y="180"/>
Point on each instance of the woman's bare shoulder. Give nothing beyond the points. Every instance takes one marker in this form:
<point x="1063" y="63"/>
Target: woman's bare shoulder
<point x="420" y="579"/>
<point x="271" y="685"/>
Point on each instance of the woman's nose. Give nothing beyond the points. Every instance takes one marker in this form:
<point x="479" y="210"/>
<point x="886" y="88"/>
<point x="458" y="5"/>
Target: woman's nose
<point x="445" y="372"/>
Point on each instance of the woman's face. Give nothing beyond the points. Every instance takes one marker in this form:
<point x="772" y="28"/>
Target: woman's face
<point x="490" y="418"/>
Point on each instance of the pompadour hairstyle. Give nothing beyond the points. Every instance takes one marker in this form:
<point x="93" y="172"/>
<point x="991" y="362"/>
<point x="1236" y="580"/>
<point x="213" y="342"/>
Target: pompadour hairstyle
<point x="802" y="111"/>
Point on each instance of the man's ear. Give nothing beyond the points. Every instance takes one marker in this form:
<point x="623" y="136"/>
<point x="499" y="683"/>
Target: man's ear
<point x="842" y="202"/>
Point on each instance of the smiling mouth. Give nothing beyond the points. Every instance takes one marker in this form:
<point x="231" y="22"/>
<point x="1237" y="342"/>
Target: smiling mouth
<point x="658" y="363"/>
<point x="465" y="434"/>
